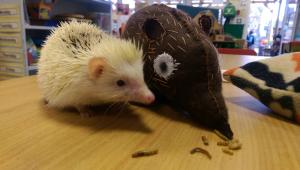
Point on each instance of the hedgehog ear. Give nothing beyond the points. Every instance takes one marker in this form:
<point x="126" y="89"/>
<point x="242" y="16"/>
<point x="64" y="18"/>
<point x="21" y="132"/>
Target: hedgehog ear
<point x="153" y="29"/>
<point x="95" y="67"/>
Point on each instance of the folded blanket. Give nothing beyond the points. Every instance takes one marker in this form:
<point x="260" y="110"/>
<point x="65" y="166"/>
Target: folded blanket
<point x="274" y="81"/>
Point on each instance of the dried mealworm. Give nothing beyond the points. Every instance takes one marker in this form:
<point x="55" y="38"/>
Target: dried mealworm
<point x="227" y="151"/>
<point x="221" y="135"/>
<point x="222" y="143"/>
<point x="234" y="145"/>
<point x="144" y="153"/>
<point x="200" y="150"/>
<point x="205" y="140"/>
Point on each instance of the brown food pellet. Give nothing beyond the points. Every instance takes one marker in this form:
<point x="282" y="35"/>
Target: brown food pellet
<point x="144" y="153"/>
<point x="222" y="143"/>
<point x="201" y="150"/>
<point x="227" y="151"/>
<point x="205" y="140"/>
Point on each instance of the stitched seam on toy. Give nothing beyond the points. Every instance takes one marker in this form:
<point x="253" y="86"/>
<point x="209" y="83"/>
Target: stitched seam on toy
<point x="195" y="33"/>
<point x="179" y="17"/>
<point x="208" y="84"/>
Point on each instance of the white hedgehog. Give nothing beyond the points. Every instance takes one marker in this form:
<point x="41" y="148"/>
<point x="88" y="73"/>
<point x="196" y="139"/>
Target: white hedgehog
<point x="80" y="66"/>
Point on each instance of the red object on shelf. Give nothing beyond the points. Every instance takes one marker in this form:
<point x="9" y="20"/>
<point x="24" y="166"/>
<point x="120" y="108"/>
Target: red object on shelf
<point x="236" y="51"/>
<point x="295" y="43"/>
<point x="29" y="58"/>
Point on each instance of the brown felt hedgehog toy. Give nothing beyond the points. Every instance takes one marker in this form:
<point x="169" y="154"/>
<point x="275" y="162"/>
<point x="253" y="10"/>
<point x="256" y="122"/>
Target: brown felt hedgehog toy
<point x="181" y="64"/>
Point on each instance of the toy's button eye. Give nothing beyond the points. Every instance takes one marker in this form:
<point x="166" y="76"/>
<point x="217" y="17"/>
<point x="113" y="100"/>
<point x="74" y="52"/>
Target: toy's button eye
<point x="164" y="65"/>
<point x="121" y="83"/>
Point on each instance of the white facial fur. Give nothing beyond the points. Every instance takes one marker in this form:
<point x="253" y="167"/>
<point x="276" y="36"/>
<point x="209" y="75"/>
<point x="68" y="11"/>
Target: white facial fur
<point x="126" y="83"/>
<point x="124" y="62"/>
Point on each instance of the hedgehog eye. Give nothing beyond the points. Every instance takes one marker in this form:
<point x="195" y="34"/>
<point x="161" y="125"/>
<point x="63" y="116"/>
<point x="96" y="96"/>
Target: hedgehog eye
<point x="164" y="65"/>
<point x="120" y="83"/>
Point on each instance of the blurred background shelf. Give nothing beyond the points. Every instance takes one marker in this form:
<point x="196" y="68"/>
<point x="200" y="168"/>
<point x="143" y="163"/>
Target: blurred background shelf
<point x="38" y="27"/>
<point x="27" y="23"/>
<point x="33" y="67"/>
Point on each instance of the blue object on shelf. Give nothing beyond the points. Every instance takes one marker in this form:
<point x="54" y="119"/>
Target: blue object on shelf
<point x="193" y="11"/>
<point x="65" y="7"/>
<point x="51" y="23"/>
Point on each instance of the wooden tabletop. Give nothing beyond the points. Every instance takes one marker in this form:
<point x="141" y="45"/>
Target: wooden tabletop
<point x="228" y="61"/>
<point x="33" y="136"/>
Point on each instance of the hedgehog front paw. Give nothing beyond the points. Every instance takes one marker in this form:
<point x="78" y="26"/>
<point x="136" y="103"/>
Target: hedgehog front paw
<point x="85" y="111"/>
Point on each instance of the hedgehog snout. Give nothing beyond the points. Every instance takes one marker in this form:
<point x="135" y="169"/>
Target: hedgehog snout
<point x="149" y="98"/>
<point x="144" y="96"/>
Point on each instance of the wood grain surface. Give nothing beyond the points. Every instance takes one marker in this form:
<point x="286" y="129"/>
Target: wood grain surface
<point x="33" y="136"/>
<point x="228" y="61"/>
